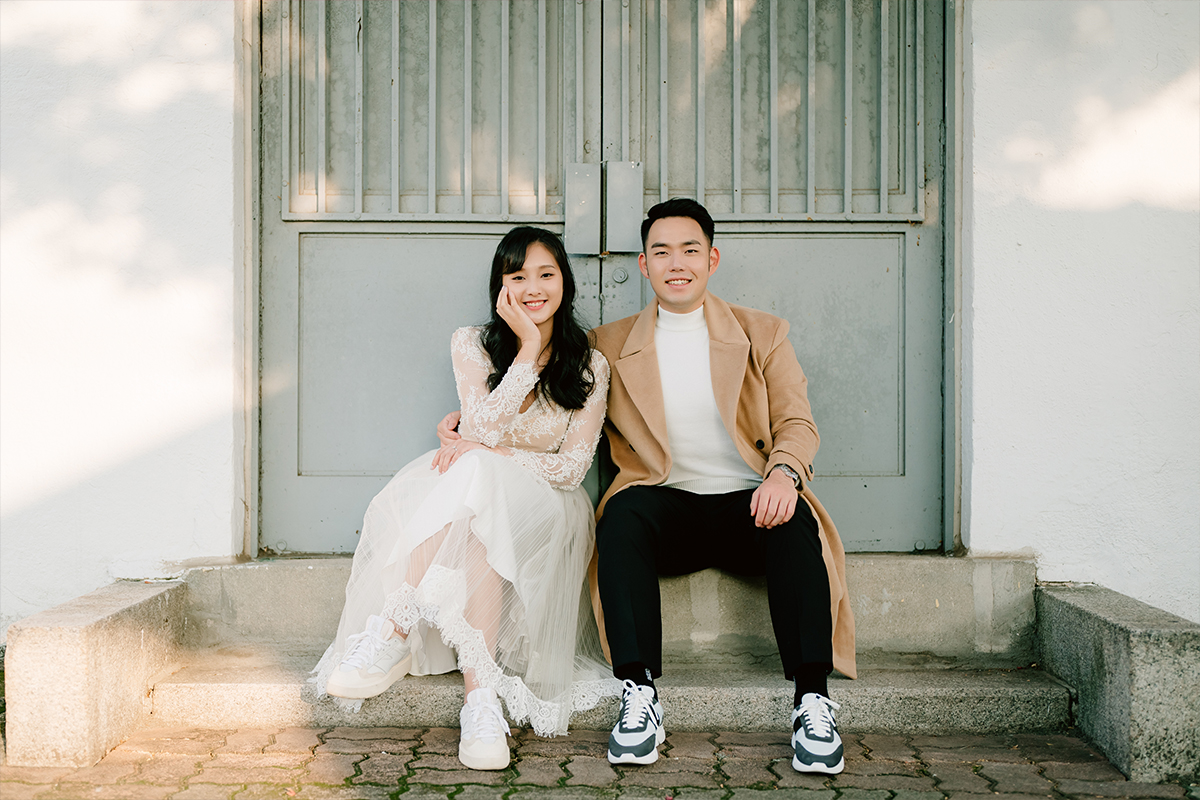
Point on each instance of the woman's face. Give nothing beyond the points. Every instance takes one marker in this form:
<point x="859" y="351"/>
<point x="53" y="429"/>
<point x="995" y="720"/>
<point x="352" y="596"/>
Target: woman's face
<point x="538" y="285"/>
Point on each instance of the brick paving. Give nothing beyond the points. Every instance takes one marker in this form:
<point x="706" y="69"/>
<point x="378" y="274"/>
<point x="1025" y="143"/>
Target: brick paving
<point x="420" y="764"/>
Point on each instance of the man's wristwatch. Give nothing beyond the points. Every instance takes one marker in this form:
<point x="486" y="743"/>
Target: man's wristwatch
<point x="791" y="473"/>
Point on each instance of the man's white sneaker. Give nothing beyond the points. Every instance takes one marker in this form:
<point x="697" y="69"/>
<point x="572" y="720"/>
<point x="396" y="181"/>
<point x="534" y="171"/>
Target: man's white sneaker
<point x="483" y="744"/>
<point x="639" y="729"/>
<point x="374" y="660"/>
<point x="815" y="739"/>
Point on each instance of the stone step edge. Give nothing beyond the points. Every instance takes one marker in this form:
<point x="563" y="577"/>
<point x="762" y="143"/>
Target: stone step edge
<point x="988" y="702"/>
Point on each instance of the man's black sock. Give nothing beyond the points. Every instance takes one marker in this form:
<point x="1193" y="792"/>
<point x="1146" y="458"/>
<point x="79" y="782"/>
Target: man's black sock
<point x="637" y="672"/>
<point x="812" y="678"/>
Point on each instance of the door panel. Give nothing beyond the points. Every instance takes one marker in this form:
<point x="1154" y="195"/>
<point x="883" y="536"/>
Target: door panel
<point x="801" y="127"/>
<point x="864" y="310"/>
<point x="370" y="324"/>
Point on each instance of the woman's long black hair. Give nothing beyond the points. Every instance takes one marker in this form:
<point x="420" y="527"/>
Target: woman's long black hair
<point x="567" y="378"/>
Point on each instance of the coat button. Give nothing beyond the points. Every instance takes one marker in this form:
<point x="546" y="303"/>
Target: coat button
<point x="760" y="444"/>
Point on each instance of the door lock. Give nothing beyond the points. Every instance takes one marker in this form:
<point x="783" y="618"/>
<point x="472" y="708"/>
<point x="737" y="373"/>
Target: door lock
<point x="620" y="275"/>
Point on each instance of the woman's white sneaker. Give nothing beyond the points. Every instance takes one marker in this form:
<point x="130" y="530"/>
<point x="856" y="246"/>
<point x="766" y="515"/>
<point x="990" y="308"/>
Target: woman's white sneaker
<point x="816" y="743"/>
<point x="374" y="660"/>
<point x="483" y="744"/>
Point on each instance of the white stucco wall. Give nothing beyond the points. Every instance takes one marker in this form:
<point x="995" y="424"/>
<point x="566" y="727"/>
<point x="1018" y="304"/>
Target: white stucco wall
<point x="1081" y="358"/>
<point x="119" y="423"/>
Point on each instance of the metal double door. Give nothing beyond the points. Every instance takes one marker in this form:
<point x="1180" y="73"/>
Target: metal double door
<point x="401" y="140"/>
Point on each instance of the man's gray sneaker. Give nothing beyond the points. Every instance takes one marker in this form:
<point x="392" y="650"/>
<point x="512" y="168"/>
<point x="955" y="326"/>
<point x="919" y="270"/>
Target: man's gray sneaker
<point x="639" y="731"/>
<point x="815" y="739"/>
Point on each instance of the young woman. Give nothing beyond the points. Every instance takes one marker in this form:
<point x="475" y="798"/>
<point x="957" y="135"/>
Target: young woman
<point x="474" y="557"/>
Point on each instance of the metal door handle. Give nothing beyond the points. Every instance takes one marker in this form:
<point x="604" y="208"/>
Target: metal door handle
<point x="620" y="275"/>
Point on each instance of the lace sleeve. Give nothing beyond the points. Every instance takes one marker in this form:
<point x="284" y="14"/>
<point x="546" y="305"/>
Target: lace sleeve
<point x="566" y="468"/>
<point x="486" y="415"/>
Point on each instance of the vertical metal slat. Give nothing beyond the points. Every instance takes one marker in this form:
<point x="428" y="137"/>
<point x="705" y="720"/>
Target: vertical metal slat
<point x="920" y="109"/>
<point x="884" y="119"/>
<point x="285" y="128"/>
<point x="579" y="83"/>
<point x="505" y="12"/>
<point x="431" y="181"/>
<point x="700" y="113"/>
<point x="737" y="106"/>
<point x="625" y="81"/>
<point x="395" y="76"/>
<point x="322" y="123"/>
<point x="358" y="108"/>
<point x="848" y="84"/>
<point x="467" y="189"/>
<point x="811" y="122"/>
<point x="541" y="166"/>
<point x="662" y="100"/>
<point x="774" y="105"/>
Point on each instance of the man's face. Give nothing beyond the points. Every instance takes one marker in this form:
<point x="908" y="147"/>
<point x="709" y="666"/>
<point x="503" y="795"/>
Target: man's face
<point x="678" y="261"/>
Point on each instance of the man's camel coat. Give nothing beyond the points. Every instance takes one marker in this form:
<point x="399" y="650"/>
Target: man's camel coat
<point x="762" y="396"/>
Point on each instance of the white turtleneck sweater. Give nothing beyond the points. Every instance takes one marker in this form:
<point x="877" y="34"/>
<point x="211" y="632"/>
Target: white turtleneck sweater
<point x="704" y="458"/>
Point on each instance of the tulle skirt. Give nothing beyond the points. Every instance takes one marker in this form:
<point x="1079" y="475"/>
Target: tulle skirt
<point x="485" y="566"/>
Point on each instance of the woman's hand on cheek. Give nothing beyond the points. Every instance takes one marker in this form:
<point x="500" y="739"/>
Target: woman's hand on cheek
<point x="518" y="319"/>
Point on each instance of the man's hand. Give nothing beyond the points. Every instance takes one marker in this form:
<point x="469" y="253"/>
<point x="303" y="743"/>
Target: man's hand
<point x="447" y="454"/>
<point x="774" y="501"/>
<point x="447" y="432"/>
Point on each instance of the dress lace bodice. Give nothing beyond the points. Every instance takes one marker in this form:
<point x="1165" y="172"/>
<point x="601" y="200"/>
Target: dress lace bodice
<point x="553" y="443"/>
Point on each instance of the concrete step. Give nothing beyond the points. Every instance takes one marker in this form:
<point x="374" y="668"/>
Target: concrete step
<point x="950" y="607"/>
<point x="226" y="687"/>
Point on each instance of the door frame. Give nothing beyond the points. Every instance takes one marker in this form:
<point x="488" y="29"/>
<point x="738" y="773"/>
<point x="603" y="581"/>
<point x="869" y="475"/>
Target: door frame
<point x="247" y="316"/>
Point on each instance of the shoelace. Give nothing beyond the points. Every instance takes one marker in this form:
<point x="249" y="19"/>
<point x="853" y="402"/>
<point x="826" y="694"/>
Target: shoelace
<point x="637" y="705"/>
<point x="364" y="647"/>
<point x="817" y="716"/>
<point x="487" y="721"/>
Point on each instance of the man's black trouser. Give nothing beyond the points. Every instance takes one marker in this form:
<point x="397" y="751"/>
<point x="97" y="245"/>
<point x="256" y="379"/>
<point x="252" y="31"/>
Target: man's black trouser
<point x="647" y="531"/>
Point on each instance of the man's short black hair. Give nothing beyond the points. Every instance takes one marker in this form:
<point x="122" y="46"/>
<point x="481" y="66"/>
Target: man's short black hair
<point x="678" y="207"/>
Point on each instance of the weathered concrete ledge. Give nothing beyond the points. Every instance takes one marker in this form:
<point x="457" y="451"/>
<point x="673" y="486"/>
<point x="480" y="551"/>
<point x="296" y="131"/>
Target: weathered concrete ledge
<point x="952" y="607"/>
<point x="1136" y="670"/>
<point x="78" y="675"/>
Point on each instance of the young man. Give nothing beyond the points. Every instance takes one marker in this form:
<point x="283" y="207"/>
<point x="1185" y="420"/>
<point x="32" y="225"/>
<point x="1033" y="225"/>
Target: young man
<point x="710" y="429"/>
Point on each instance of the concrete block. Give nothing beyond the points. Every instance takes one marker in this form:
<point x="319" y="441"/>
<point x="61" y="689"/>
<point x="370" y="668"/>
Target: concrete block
<point x="77" y="675"/>
<point x="967" y="608"/>
<point x="292" y="600"/>
<point x="1136" y="670"/>
<point x="960" y="607"/>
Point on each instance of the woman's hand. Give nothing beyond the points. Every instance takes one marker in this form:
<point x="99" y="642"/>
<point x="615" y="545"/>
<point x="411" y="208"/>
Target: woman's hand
<point x="448" y="454"/>
<point x="515" y="315"/>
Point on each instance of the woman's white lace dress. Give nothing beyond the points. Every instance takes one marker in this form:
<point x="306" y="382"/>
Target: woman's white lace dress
<point x="507" y="539"/>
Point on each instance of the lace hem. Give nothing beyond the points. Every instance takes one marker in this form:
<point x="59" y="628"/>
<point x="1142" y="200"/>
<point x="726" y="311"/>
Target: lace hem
<point x="408" y="605"/>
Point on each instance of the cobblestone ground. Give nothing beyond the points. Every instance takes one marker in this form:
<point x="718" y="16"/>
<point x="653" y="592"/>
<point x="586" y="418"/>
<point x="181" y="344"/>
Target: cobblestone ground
<point x="421" y="764"/>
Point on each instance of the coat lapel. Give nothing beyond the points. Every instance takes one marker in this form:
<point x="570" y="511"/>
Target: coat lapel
<point x="728" y="350"/>
<point x="638" y="368"/>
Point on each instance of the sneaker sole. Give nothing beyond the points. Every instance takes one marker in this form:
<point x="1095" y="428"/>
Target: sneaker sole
<point x="485" y="763"/>
<point x="629" y="758"/>
<point x="373" y="689"/>
<point x="800" y="766"/>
